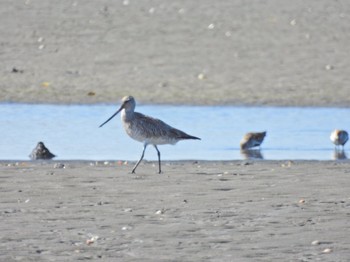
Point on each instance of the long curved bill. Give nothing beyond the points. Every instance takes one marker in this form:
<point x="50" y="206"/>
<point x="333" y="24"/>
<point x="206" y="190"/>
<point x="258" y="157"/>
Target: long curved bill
<point x="116" y="113"/>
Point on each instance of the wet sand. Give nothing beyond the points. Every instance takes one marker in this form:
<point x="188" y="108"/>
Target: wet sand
<point x="273" y="52"/>
<point x="194" y="211"/>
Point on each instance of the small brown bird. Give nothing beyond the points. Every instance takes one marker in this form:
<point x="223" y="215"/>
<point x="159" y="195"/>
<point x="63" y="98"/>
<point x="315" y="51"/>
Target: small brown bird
<point x="41" y="152"/>
<point x="339" y="137"/>
<point x="251" y="140"/>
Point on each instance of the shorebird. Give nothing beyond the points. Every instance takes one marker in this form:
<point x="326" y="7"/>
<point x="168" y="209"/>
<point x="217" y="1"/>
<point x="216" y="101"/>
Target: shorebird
<point x="41" y="152"/>
<point x="146" y="129"/>
<point x="339" y="137"/>
<point x="252" y="140"/>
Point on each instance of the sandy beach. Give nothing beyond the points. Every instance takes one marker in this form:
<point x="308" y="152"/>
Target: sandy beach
<point x="176" y="52"/>
<point x="262" y="53"/>
<point x="194" y="211"/>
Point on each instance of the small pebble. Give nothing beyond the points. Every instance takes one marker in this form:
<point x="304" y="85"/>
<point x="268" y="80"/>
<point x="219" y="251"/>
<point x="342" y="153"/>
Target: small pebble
<point x="211" y="26"/>
<point x="15" y="70"/>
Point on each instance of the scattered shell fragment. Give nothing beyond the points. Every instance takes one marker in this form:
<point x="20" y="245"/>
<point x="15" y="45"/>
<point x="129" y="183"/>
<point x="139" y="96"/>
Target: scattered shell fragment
<point x="327" y="251"/>
<point x="59" y="165"/>
<point x="160" y="212"/>
<point x="315" y="243"/>
<point x="329" y="67"/>
<point x="228" y="33"/>
<point x="124" y="228"/>
<point x="92" y="239"/>
<point x="41" y="47"/>
<point x="126" y="2"/>
<point x="211" y="26"/>
<point x="302" y="201"/>
<point x="201" y="76"/>
<point x="89" y="241"/>
<point x="293" y="22"/>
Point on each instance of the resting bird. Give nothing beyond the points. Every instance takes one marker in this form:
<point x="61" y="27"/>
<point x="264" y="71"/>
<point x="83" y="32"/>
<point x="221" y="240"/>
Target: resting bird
<point x="251" y="140"/>
<point x="41" y="152"/>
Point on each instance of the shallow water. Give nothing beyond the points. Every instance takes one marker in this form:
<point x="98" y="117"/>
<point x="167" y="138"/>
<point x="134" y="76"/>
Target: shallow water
<point x="72" y="132"/>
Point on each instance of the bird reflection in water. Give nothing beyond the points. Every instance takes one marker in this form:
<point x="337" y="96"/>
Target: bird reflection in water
<point x="339" y="155"/>
<point x="251" y="154"/>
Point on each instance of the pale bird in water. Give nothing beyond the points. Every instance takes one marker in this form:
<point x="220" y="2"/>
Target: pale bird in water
<point x="148" y="130"/>
<point x="339" y="137"/>
<point x="251" y="140"/>
<point x="41" y="152"/>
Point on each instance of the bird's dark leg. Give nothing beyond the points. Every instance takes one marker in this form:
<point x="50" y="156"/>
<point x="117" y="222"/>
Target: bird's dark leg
<point x="138" y="162"/>
<point x="158" y="158"/>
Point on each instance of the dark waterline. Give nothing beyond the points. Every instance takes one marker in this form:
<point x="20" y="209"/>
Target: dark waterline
<point x="71" y="132"/>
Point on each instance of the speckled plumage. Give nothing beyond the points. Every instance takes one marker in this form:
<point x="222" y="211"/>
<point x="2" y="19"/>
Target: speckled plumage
<point x="146" y="129"/>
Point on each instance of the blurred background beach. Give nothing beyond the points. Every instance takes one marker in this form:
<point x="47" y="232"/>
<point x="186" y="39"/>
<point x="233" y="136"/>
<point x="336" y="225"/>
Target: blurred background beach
<point x="284" y="53"/>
